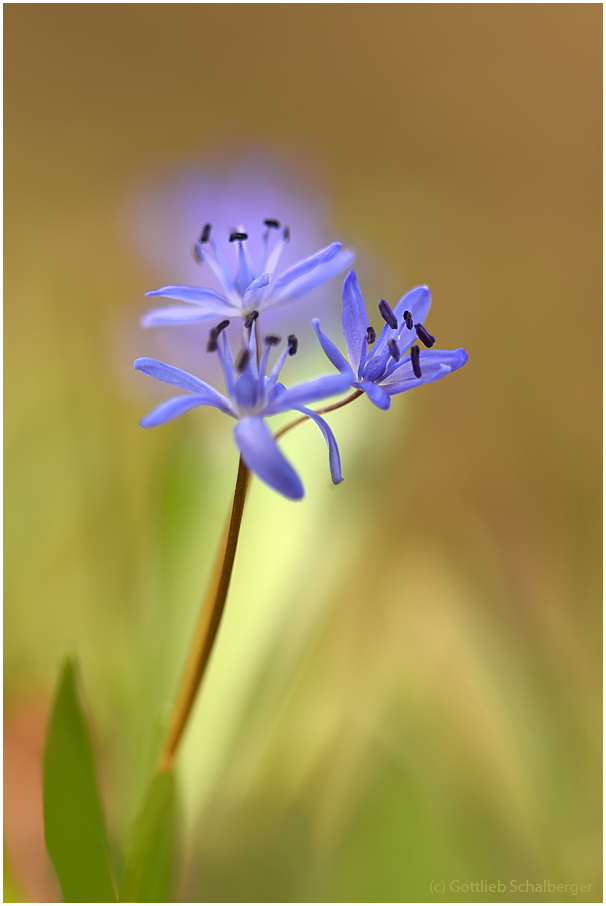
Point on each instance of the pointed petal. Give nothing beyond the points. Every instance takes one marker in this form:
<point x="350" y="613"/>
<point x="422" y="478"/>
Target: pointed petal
<point x="333" y="352"/>
<point x="185" y="381"/>
<point x="303" y="267"/>
<point x="172" y="408"/>
<point x="261" y="454"/>
<point x="376" y="394"/>
<point x="354" y="319"/>
<point x="435" y="364"/>
<point x="309" y="392"/>
<point x="163" y="317"/>
<point x="316" y="278"/>
<point x="196" y="295"/>
<point x="334" y="458"/>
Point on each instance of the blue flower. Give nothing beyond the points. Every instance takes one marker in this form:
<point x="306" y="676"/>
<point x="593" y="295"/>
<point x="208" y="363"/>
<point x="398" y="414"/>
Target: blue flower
<point x="379" y="366"/>
<point x="249" y="289"/>
<point x="252" y="397"/>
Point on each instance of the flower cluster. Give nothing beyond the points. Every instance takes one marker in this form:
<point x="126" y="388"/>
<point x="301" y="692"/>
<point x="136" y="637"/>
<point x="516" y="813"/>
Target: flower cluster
<point x="380" y="367"/>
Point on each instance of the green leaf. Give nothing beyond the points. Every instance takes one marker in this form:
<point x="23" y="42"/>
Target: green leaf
<point x="73" y="818"/>
<point x="148" y="871"/>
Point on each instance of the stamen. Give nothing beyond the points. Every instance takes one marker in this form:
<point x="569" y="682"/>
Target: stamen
<point x="272" y="224"/>
<point x="415" y="355"/>
<point x="286" y="234"/>
<point x="211" y="346"/>
<point x="393" y="349"/>
<point x="408" y="319"/>
<point x="237" y="237"/>
<point x="250" y="319"/>
<point x="205" y="234"/>
<point x="293" y="344"/>
<point x="197" y="256"/>
<point x="387" y="314"/>
<point x="272" y="340"/>
<point x="371" y="335"/>
<point x="242" y="360"/>
<point x="424" y="336"/>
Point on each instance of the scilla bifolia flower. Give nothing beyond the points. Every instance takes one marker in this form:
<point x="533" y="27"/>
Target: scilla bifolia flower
<point x="252" y="397"/>
<point x="380" y="366"/>
<point x="247" y="288"/>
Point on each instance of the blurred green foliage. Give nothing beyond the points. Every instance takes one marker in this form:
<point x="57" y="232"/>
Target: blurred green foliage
<point x="73" y="816"/>
<point x="148" y="874"/>
<point x="406" y="687"/>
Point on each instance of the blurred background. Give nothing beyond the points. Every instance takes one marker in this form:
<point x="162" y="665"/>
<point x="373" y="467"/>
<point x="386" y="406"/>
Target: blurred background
<point x="406" y="686"/>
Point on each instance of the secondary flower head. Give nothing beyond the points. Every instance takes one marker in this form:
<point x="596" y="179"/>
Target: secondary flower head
<point x="252" y="396"/>
<point x="379" y="366"/>
<point x="247" y="288"/>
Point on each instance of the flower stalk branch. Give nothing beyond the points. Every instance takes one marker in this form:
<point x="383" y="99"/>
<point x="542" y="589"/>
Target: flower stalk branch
<point x="299" y="421"/>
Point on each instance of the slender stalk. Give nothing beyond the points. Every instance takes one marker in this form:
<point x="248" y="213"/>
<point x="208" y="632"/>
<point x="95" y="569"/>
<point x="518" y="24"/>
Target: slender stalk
<point x="214" y="604"/>
<point x="208" y="624"/>
<point x="303" y="418"/>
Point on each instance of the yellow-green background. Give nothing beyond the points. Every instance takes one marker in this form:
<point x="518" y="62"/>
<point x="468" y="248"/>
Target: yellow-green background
<point x="407" y="685"/>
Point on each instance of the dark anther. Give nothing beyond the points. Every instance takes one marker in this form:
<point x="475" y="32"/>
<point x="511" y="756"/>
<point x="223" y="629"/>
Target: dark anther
<point x="415" y="355"/>
<point x="237" y="237"/>
<point x="293" y="344"/>
<point x="371" y="335"/>
<point x="250" y="319"/>
<point x="393" y="349"/>
<point x="211" y="346"/>
<point x="272" y="339"/>
<point x="387" y="314"/>
<point x="408" y="319"/>
<point x="242" y="360"/>
<point x="205" y="234"/>
<point x="197" y="256"/>
<point x="286" y="234"/>
<point x="424" y="336"/>
<point x="272" y="224"/>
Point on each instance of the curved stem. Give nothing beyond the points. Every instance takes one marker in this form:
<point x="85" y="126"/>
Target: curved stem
<point x="303" y="418"/>
<point x="208" y="624"/>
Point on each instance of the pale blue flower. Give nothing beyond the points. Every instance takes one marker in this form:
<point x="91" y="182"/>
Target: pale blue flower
<point x="247" y="287"/>
<point x="380" y="366"/>
<point x="252" y="396"/>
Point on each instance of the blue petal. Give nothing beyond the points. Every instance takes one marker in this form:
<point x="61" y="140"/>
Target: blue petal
<point x="172" y="408"/>
<point x="334" y="458"/>
<point x="333" y="352"/>
<point x="307" y="284"/>
<point x="246" y="392"/>
<point x="185" y="381"/>
<point x="303" y="267"/>
<point x="376" y="395"/>
<point x="245" y="275"/>
<point x="309" y="392"/>
<point x="261" y="454"/>
<point x="435" y="364"/>
<point x="162" y="317"/>
<point x="354" y="319"/>
<point x="227" y="363"/>
<point x="196" y="295"/>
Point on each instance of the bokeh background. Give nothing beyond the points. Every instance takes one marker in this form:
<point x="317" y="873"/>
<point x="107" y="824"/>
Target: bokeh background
<point x="406" y="686"/>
